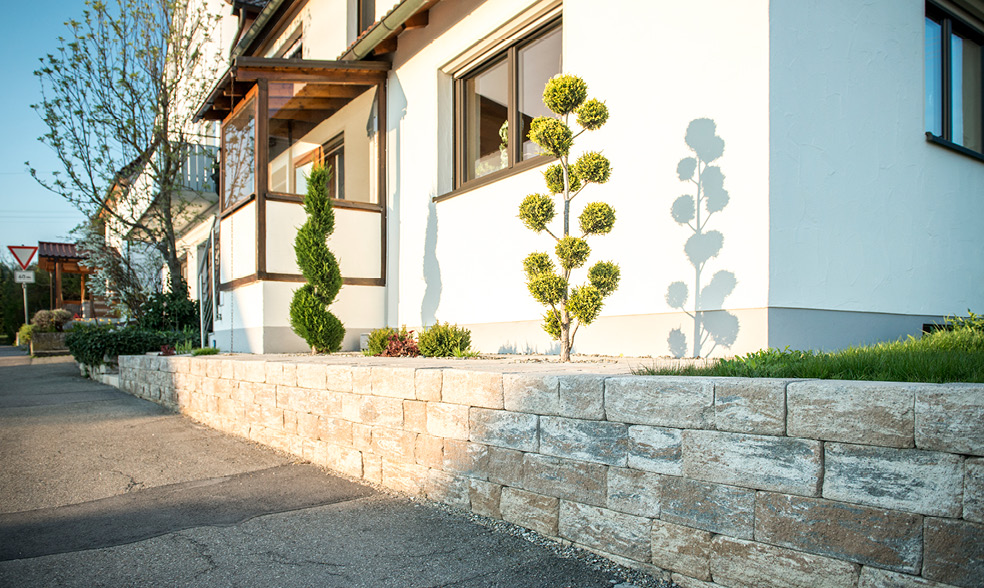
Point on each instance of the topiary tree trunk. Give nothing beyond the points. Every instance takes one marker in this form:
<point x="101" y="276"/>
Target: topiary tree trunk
<point x="309" y="316"/>
<point x="566" y="95"/>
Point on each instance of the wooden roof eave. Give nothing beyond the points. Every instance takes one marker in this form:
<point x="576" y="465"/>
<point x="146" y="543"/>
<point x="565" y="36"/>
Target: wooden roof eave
<point x="251" y="69"/>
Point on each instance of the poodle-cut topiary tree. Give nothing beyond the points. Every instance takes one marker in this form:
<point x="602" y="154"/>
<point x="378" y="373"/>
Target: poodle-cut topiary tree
<point x="566" y="95"/>
<point x="309" y="315"/>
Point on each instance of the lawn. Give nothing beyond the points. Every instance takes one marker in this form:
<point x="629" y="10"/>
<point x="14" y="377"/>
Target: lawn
<point x="955" y="355"/>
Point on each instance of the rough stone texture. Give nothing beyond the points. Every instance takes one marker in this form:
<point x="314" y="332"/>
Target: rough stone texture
<point x="485" y="498"/>
<point x="345" y="460"/>
<point x="472" y="388"/>
<point x="351" y="407"/>
<point x="973" y="507"/>
<point x="948" y="418"/>
<point x="336" y="431"/>
<point x="596" y="441"/>
<point x="884" y="538"/>
<point x="727" y="510"/>
<point x="870" y="413"/>
<point x="876" y="578"/>
<point x="682" y="549"/>
<point x="660" y="400"/>
<point x="530" y="510"/>
<point x="281" y="374"/>
<point x="656" y="449"/>
<point x="308" y="425"/>
<point x="250" y="371"/>
<point x="372" y="468"/>
<point x="265" y="394"/>
<point x="750" y="405"/>
<point x="408" y="478"/>
<point x="688" y="582"/>
<point x="362" y="437"/>
<point x="606" y="530"/>
<point x="415" y="416"/>
<point x="443" y="487"/>
<point x="780" y="464"/>
<point x="447" y="420"/>
<point x="338" y="378"/>
<point x="429" y="451"/>
<point x="395" y="382"/>
<point x="505" y="466"/>
<point x="362" y="380"/>
<point x="735" y="562"/>
<point x="470" y="459"/>
<point x="265" y="416"/>
<point x="925" y="482"/>
<point x="375" y="410"/>
<point x="535" y="394"/>
<point x="427" y="384"/>
<point x="582" y="397"/>
<point x="394" y="444"/>
<point x="954" y="552"/>
<point x="564" y="478"/>
<point x="514" y="430"/>
<point x="311" y="375"/>
<point x="634" y="492"/>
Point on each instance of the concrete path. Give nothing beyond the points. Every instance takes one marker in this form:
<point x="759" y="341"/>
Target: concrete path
<point x="98" y="488"/>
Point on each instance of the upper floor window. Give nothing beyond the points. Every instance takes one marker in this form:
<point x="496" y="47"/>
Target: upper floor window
<point x="238" y="141"/>
<point x="496" y="101"/>
<point x="954" y="80"/>
<point x="367" y="14"/>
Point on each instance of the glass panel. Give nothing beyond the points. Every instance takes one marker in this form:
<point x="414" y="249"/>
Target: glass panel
<point x="296" y="112"/>
<point x="965" y="71"/>
<point x="934" y="78"/>
<point x="486" y="121"/>
<point x="238" y="146"/>
<point x="538" y="62"/>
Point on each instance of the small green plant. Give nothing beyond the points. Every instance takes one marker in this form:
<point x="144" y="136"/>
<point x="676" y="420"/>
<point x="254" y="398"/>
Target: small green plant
<point x="170" y="311"/>
<point x="401" y="344"/>
<point x="444" y="340"/>
<point x="205" y="351"/>
<point x="973" y="322"/>
<point x="24" y="334"/>
<point x="568" y="308"/>
<point x="378" y="340"/>
<point x="184" y="347"/>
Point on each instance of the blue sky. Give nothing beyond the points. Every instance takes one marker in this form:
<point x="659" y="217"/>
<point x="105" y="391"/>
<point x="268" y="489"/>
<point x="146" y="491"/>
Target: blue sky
<point x="28" y="212"/>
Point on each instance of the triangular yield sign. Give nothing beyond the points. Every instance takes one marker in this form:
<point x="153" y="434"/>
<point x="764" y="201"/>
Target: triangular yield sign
<point x="23" y="254"/>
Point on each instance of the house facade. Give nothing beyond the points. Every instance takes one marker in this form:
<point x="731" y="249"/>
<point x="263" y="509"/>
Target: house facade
<point x="804" y="174"/>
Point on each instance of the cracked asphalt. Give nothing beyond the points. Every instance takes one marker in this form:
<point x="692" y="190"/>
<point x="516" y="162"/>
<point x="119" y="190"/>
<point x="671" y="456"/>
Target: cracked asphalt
<point x="101" y="489"/>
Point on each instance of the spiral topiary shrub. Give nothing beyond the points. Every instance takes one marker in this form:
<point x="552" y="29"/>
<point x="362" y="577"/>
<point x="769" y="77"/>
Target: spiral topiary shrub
<point x="568" y="308"/>
<point x="309" y="315"/>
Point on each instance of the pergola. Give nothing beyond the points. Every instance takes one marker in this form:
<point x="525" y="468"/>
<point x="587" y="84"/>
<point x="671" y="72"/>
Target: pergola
<point x="58" y="259"/>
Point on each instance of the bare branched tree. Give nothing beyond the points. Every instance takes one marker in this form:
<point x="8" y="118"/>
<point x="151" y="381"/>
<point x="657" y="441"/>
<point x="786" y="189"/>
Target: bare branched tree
<point x="118" y="96"/>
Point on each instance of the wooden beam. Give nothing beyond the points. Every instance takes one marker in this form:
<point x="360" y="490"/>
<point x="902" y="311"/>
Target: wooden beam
<point x="341" y="77"/>
<point x="387" y="46"/>
<point x="417" y="21"/>
<point x="295" y="103"/>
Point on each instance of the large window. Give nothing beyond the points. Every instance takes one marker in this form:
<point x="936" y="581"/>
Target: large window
<point x="495" y="103"/>
<point x="954" y="80"/>
<point x="238" y="157"/>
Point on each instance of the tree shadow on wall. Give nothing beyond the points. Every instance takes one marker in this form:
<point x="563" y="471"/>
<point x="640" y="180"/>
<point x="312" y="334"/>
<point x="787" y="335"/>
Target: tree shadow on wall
<point x="714" y="327"/>
<point x="432" y="270"/>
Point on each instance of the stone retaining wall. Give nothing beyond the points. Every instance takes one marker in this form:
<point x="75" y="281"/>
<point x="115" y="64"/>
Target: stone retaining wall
<point x="715" y="481"/>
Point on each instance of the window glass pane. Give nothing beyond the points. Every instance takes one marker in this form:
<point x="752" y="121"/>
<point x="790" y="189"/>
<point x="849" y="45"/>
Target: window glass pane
<point x="538" y="62"/>
<point x="965" y="71"/>
<point x="934" y="77"/>
<point x="486" y="121"/>
<point x="238" y="154"/>
<point x="296" y="112"/>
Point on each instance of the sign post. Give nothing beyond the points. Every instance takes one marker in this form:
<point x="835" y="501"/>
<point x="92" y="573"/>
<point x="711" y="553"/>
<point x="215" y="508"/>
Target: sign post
<point x="23" y="254"/>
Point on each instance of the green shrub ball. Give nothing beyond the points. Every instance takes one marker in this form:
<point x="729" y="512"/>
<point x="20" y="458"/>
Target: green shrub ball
<point x="604" y="276"/>
<point x="597" y="218"/>
<point x="593" y="167"/>
<point x="536" y="211"/>
<point x="551" y="324"/>
<point x="554" y="176"/>
<point x="585" y="304"/>
<point x="564" y="93"/>
<point x="573" y="252"/>
<point x="552" y="135"/>
<point x="547" y="288"/>
<point x="537" y="263"/>
<point x="592" y="114"/>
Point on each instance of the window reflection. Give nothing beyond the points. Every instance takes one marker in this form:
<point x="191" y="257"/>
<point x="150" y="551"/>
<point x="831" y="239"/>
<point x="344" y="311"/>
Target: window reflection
<point x="934" y="77"/>
<point x="238" y="156"/>
<point x="965" y="71"/>
<point x="486" y="121"/>
<point x="538" y="62"/>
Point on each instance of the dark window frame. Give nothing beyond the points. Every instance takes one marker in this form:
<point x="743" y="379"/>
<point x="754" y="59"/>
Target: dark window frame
<point x="365" y="15"/>
<point x="516" y="163"/>
<point x="950" y="24"/>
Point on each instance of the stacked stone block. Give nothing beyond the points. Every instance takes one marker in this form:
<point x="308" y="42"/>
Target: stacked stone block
<point x="708" y="481"/>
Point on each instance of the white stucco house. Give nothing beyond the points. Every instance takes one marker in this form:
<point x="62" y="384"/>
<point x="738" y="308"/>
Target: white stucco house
<point x="840" y="147"/>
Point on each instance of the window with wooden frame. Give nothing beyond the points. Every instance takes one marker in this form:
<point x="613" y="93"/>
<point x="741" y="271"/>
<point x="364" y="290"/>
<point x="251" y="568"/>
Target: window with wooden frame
<point x="239" y="155"/>
<point x="496" y="101"/>
<point x="954" y="82"/>
<point x="332" y="156"/>
<point x="366" y="13"/>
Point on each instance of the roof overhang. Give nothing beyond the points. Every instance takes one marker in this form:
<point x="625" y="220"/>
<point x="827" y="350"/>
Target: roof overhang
<point x="244" y="72"/>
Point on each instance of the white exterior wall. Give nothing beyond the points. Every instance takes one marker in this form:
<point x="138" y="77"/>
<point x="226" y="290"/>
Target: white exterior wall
<point x="657" y="70"/>
<point x="866" y="215"/>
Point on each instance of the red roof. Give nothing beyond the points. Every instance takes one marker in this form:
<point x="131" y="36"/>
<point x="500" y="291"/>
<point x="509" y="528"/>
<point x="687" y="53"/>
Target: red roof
<point x="58" y="250"/>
